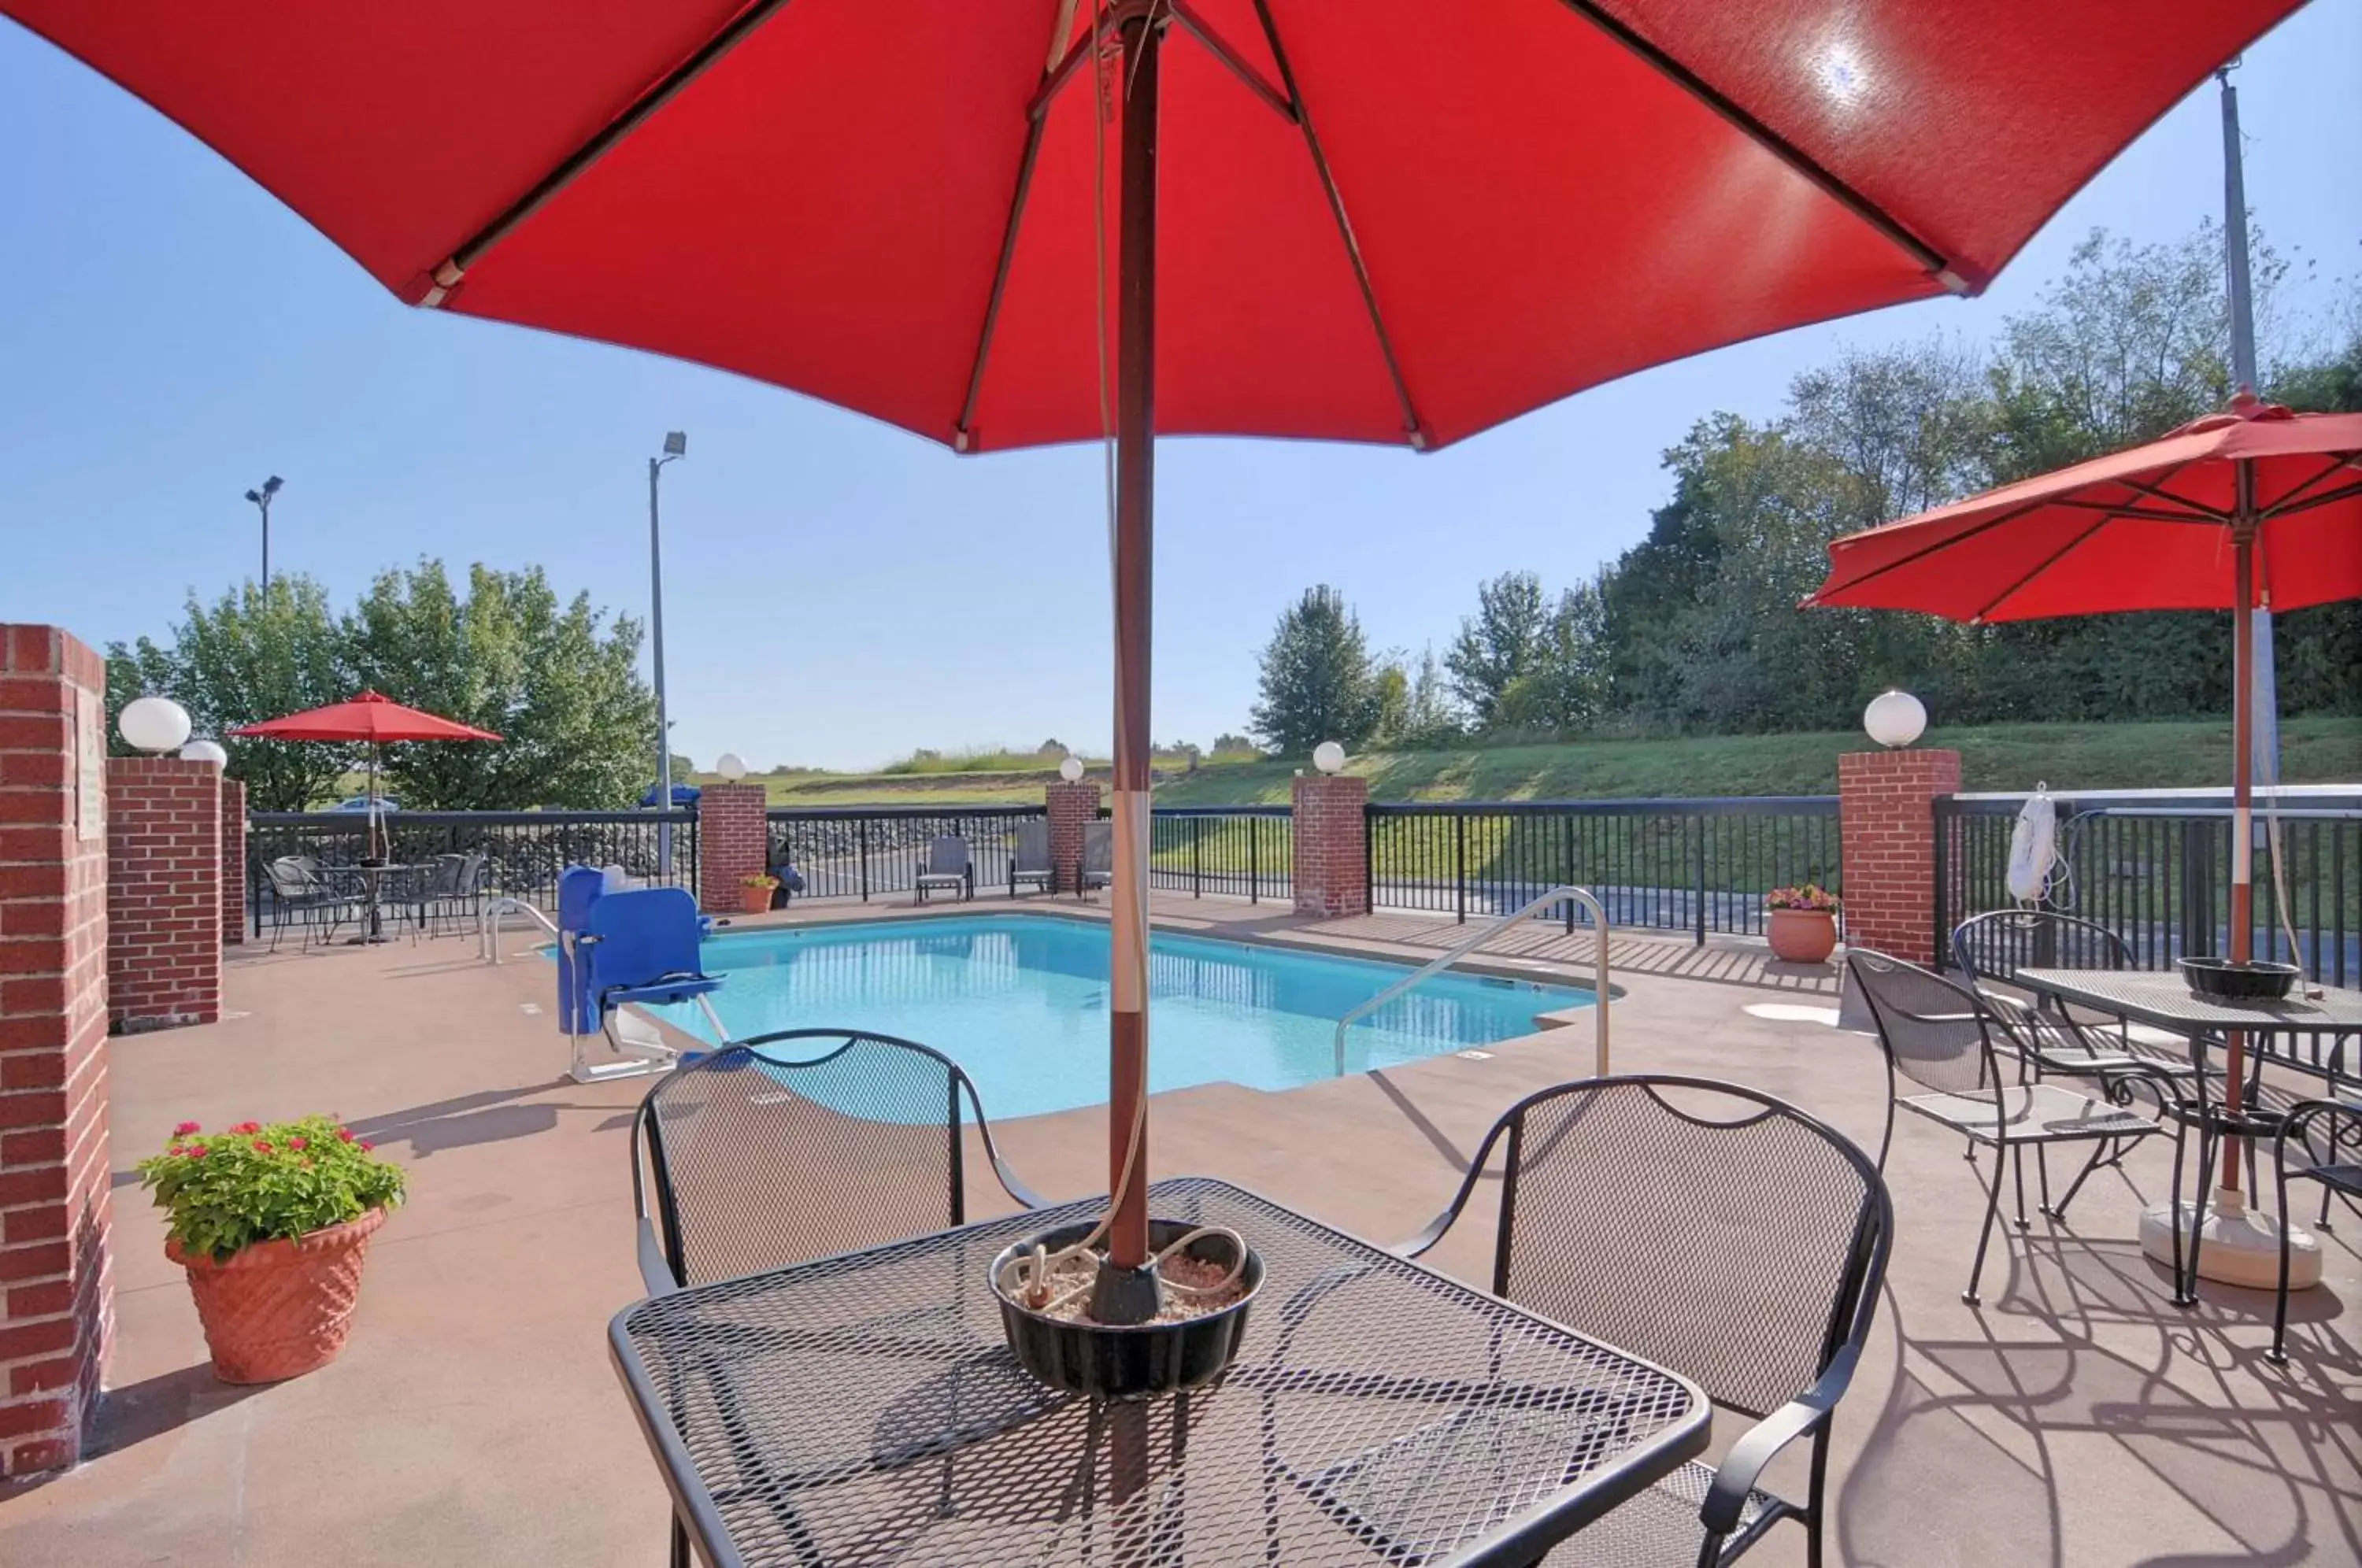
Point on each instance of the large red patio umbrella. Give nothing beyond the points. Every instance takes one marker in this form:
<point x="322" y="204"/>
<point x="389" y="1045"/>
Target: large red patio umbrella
<point x="1390" y="221"/>
<point x="2253" y="508"/>
<point x="377" y="720"/>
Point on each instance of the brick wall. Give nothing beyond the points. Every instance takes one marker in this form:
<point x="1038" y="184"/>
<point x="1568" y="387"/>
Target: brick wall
<point x="1071" y="808"/>
<point x="233" y="863"/>
<point x="56" y="1309"/>
<point x="163" y="893"/>
<point x="1887" y="844"/>
<point x="733" y="841"/>
<point x="1332" y="856"/>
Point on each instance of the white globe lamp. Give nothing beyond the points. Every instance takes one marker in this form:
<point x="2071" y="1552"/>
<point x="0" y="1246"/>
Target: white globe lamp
<point x="1329" y="757"/>
<point x="1071" y="770"/>
<point x="730" y="767"/>
<point x="204" y="751"/>
<point x="156" y="724"/>
<point x="1895" y="719"/>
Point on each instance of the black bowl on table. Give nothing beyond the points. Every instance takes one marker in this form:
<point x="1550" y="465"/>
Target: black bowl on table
<point x="2230" y="981"/>
<point x="1130" y="1362"/>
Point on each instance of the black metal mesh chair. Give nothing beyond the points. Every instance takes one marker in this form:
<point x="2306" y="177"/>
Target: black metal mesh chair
<point x="797" y="1145"/>
<point x="2320" y="1140"/>
<point x="1992" y="948"/>
<point x="1715" y="1230"/>
<point x="301" y="895"/>
<point x="1980" y="1080"/>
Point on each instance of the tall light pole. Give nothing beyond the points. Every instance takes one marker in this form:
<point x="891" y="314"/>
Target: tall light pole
<point x="261" y="499"/>
<point x="676" y="445"/>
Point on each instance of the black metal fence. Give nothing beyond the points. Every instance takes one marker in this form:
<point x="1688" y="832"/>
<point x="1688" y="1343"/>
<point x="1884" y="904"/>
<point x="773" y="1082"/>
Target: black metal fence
<point x="1699" y="865"/>
<point x="2156" y="869"/>
<point x="524" y="851"/>
<point x="869" y="852"/>
<point x="1246" y="852"/>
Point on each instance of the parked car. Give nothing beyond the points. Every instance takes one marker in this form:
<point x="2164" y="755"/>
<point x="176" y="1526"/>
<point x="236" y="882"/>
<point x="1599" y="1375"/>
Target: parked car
<point x="362" y="803"/>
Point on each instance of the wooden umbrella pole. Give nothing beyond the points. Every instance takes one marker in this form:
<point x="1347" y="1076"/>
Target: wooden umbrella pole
<point x="1135" y="505"/>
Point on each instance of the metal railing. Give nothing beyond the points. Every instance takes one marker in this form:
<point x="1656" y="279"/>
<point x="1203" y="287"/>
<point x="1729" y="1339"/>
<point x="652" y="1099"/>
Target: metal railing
<point x="1699" y="865"/>
<point x="1477" y="938"/>
<point x="2155" y="868"/>
<point x="524" y="851"/>
<point x="1231" y="851"/>
<point x="867" y="852"/>
<point x="488" y="924"/>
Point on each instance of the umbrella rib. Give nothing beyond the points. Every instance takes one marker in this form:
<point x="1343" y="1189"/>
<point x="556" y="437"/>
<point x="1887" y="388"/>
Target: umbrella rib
<point x="634" y="115"/>
<point x="2289" y="500"/>
<point x="2140" y="514"/>
<point x="1820" y="595"/>
<point x="1284" y="107"/>
<point x="2288" y="509"/>
<point x="1414" y="428"/>
<point x="1779" y="147"/>
<point x="2045" y="564"/>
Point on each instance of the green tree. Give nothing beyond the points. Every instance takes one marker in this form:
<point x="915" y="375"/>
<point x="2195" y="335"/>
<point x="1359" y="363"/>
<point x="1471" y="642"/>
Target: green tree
<point x="1317" y="682"/>
<point x="557" y="681"/>
<point x="1497" y="644"/>
<point x="249" y="655"/>
<point x="1394" y="699"/>
<point x="1565" y="690"/>
<point x="1430" y="718"/>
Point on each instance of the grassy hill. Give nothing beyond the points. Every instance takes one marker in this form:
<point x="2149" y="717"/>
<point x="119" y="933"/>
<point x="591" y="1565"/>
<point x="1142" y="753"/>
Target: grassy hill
<point x="2184" y="755"/>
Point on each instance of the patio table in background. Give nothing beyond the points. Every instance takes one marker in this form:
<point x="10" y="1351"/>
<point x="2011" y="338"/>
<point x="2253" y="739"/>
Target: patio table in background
<point x="865" y="1408"/>
<point x="372" y="880"/>
<point x="2163" y="1000"/>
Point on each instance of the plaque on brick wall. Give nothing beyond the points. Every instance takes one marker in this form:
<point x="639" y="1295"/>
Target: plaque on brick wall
<point x="90" y="766"/>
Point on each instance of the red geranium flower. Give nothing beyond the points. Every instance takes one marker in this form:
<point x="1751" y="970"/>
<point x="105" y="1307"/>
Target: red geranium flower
<point x="367" y="1145"/>
<point x="262" y="1145"/>
<point x="196" y="1151"/>
<point x="299" y="1143"/>
<point x="248" y="1127"/>
<point x="345" y="1134"/>
<point x="186" y="1128"/>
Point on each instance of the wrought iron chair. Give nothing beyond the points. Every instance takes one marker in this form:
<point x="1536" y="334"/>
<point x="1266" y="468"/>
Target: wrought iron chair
<point x="1945" y="1039"/>
<point x="1991" y="948"/>
<point x="797" y="1145"/>
<point x="451" y="894"/>
<point x="950" y="868"/>
<point x="2315" y="1134"/>
<point x="301" y="896"/>
<point x="1617" y="1219"/>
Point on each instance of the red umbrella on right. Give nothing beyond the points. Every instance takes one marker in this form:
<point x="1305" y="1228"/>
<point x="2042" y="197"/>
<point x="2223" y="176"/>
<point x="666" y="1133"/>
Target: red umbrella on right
<point x="2253" y="508"/>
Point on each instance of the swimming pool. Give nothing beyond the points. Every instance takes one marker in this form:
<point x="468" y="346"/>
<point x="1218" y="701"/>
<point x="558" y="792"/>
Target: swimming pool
<point x="1020" y="1001"/>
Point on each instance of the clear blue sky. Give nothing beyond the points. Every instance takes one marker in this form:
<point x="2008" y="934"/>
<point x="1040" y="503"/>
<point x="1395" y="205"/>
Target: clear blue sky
<point x="838" y="593"/>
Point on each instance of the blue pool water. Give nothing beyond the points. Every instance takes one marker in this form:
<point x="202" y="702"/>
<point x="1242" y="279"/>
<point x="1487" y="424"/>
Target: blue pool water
<point x="1022" y="1002"/>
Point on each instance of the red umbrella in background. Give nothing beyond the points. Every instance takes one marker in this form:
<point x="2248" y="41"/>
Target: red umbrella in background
<point x="379" y="721"/>
<point x="2253" y="508"/>
<point x="1390" y="221"/>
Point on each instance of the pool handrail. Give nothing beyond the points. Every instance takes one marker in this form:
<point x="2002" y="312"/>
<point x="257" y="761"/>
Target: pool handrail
<point x="488" y="924"/>
<point x="1475" y="939"/>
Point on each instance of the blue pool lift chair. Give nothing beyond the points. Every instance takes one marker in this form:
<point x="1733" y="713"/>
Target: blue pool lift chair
<point x="640" y="946"/>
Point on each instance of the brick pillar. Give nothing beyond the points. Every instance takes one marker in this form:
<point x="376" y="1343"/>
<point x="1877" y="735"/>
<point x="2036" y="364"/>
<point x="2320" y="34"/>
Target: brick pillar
<point x="1886" y="824"/>
<point x="733" y="841"/>
<point x="1332" y="853"/>
<point x="1071" y="808"/>
<point x="56" y="1304"/>
<point x="163" y="893"/>
<point x="233" y="863"/>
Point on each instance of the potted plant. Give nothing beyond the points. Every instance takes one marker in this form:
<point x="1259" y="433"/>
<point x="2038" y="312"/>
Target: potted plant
<point x="1803" y="924"/>
<point x="755" y="892"/>
<point x="272" y="1225"/>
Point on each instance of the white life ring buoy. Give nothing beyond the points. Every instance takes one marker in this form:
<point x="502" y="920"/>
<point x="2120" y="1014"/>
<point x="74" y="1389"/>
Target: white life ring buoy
<point x="2033" y="848"/>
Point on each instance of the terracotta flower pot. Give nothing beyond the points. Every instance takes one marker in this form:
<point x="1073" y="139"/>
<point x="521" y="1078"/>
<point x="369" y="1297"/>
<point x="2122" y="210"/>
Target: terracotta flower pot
<point x="278" y="1310"/>
<point x="753" y="900"/>
<point x="1801" y="936"/>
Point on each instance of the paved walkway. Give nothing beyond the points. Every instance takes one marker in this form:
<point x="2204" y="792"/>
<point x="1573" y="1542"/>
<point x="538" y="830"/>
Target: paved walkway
<point x="2078" y="1421"/>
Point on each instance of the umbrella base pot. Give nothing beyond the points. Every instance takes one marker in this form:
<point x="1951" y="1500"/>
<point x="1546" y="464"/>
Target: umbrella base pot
<point x="2237" y="1245"/>
<point x="1178" y="1341"/>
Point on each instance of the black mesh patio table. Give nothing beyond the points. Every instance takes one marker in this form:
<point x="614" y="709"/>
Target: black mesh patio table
<point x="864" y="1410"/>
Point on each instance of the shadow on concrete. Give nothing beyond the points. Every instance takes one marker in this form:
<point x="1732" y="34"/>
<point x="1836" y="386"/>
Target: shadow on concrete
<point x="489" y="1116"/>
<point x="2265" y="1465"/>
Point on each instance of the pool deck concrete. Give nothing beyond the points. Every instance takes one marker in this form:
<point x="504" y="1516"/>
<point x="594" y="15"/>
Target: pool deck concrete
<point x="2077" y="1419"/>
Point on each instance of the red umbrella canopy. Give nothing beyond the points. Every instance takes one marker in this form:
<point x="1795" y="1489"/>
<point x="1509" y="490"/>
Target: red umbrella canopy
<point x="367" y="717"/>
<point x="2150" y="528"/>
<point x="1387" y="221"/>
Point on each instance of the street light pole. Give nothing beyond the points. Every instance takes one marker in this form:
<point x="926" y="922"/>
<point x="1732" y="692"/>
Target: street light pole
<point x="676" y="445"/>
<point x="261" y="499"/>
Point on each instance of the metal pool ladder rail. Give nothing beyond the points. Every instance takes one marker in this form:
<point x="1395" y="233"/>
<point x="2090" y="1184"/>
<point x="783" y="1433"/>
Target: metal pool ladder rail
<point x="1477" y="938"/>
<point x="488" y="925"/>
